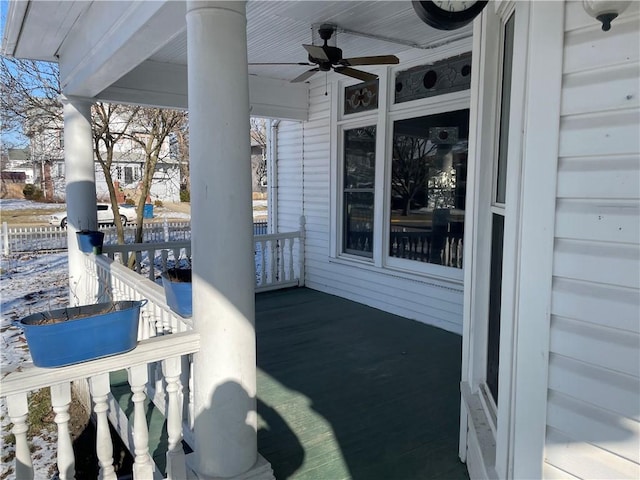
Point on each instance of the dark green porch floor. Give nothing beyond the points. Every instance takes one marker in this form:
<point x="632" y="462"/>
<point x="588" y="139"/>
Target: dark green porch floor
<point x="348" y="391"/>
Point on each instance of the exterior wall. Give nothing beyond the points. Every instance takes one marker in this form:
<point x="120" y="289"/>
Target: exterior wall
<point x="593" y="408"/>
<point x="304" y="165"/>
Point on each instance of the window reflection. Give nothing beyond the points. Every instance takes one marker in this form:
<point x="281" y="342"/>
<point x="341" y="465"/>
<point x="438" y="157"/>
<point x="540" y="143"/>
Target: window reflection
<point x="359" y="179"/>
<point x="428" y="187"/>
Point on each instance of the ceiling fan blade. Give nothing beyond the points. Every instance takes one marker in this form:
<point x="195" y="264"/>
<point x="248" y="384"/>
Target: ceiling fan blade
<point x="375" y="60"/>
<point x="282" y="63"/>
<point x="359" y="74"/>
<point x="305" y="75"/>
<point x="316" y="52"/>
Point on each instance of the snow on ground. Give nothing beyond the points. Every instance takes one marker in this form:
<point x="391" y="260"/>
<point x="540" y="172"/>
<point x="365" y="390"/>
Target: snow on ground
<point x="20" y="204"/>
<point x="28" y="283"/>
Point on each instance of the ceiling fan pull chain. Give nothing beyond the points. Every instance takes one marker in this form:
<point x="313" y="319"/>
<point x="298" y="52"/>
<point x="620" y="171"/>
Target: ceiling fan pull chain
<point x="325" y="83"/>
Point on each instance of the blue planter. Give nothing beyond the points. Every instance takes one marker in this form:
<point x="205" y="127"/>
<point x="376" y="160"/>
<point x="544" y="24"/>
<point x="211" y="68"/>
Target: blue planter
<point x="90" y="241"/>
<point x="77" y="334"/>
<point x="177" y="290"/>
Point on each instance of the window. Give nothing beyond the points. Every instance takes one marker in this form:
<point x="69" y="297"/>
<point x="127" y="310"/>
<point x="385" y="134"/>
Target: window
<point x="119" y="173"/>
<point x="358" y="190"/>
<point x="361" y="97"/>
<point x="498" y="217"/>
<point x="428" y="188"/>
<point x="130" y="174"/>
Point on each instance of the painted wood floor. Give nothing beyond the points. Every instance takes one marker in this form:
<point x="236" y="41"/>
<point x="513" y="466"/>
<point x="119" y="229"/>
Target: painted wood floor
<point x="349" y="392"/>
<point x="346" y="392"/>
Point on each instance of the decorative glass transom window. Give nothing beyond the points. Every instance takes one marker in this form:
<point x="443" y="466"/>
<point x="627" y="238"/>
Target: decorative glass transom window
<point x="361" y="97"/>
<point x="445" y="76"/>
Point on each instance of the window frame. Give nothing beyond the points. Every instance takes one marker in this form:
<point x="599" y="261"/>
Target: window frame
<point x="362" y="121"/>
<point x="381" y="117"/>
<point x="455" y="101"/>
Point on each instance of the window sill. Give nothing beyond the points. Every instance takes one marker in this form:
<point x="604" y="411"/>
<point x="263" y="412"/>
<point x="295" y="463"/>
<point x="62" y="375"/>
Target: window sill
<point x="481" y="440"/>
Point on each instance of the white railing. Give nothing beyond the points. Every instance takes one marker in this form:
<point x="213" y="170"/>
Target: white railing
<point x="279" y="258"/>
<point x="158" y="369"/>
<point x="160" y="365"/>
<point x="167" y="350"/>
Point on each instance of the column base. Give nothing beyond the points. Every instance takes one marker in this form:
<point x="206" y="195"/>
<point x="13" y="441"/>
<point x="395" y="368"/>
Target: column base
<point x="261" y="470"/>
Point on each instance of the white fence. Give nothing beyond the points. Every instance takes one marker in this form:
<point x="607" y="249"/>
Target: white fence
<point x="33" y="239"/>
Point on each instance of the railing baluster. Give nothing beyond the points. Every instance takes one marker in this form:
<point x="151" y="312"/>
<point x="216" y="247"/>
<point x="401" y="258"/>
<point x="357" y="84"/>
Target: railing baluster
<point x="104" y="448"/>
<point x="18" y="408"/>
<point x="175" y="454"/>
<point x="291" y="274"/>
<point x="60" y="401"/>
<point x="142" y="467"/>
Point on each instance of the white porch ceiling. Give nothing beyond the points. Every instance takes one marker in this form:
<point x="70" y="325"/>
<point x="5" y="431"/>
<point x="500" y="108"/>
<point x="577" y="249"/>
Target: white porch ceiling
<point x="107" y="49"/>
<point x="276" y="31"/>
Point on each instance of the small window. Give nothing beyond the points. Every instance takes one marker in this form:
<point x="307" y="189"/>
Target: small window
<point x="361" y="97"/>
<point x="358" y="190"/>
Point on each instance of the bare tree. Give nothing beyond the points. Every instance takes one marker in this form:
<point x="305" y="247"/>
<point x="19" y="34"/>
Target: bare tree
<point x="30" y="106"/>
<point x="151" y="132"/>
<point x="410" y="169"/>
<point x="258" y="134"/>
<point x="110" y="124"/>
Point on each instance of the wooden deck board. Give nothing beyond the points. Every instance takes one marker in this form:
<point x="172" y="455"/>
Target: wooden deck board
<point x="348" y="392"/>
<point x="354" y="392"/>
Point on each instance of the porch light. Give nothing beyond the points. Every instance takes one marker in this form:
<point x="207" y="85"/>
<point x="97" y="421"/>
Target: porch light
<point x="605" y="10"/>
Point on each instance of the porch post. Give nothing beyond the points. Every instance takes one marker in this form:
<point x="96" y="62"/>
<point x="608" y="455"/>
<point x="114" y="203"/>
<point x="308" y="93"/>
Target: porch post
<point x="222" y="240"/>
<point x="80" y="181"/>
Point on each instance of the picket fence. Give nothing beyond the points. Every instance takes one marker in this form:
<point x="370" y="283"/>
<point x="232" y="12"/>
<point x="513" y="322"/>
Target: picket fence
<point x="50" y="238"/>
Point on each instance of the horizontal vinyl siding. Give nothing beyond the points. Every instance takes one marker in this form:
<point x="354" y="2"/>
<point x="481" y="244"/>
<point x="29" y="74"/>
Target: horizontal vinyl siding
<point x="407" y="295"/>
<point x="593" y="411"/>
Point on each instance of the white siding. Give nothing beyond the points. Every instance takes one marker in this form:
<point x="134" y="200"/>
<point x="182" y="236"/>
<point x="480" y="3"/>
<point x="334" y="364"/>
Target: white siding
<point x="304" y="176"/>
<point x="593" y="411"/>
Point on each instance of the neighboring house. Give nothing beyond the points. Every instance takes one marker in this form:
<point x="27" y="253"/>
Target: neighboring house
<point x="488" y="184"/>
<point x="47" y="151"/>
<point x="19" y="167"/>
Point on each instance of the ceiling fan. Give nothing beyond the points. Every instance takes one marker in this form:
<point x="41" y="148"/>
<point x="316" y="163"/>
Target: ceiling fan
<point x="327" y="57"/>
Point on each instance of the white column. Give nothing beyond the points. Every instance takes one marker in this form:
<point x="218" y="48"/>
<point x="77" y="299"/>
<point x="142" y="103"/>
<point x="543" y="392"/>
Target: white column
<point x="221" y="239"/>
<point x="80" y="187"/>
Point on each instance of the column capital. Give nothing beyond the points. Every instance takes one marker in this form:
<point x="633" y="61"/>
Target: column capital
<point x="75" y="100"/>
<point x="238" y="6"/>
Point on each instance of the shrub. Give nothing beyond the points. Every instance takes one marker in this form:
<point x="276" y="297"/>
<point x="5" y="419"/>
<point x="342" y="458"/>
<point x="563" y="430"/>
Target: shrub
<point x="130" y="201"/>
<point x="158" y="203"/>
<point x="31" y="192"/>
<point x="185" y="195"/>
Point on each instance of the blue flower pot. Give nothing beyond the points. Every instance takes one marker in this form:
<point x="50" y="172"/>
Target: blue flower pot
<point x="78" y="334"/>
<point x="90" y="241"/>
<point x="177" y="290"/>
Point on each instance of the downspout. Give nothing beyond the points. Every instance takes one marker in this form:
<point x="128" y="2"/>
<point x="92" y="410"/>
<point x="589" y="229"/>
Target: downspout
<point x="272" y="176"/>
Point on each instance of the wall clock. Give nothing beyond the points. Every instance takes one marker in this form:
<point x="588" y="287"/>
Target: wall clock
<point x="448" y="15"/>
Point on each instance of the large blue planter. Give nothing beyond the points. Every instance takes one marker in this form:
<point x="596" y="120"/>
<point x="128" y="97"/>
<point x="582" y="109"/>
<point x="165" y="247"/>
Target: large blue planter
<point x="90" y="241"/>
<point x="78" y="334"/>
<point x="177" y="290"/>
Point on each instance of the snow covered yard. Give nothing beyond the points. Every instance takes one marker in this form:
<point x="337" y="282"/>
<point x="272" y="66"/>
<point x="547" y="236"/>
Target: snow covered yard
<point x="28" y="283"/>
